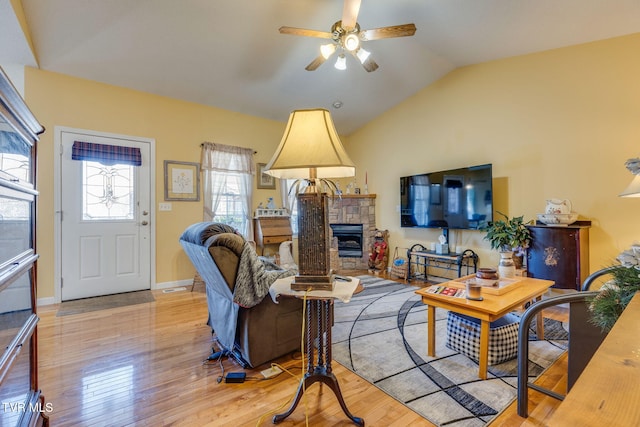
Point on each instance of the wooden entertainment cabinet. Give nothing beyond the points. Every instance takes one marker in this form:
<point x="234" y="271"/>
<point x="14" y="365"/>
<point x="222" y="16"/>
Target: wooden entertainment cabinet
<point x="22" y="402"/>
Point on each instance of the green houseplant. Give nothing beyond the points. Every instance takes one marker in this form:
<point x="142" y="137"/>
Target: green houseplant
<point x="614" y="295"/>
<point x="508" y="234"/>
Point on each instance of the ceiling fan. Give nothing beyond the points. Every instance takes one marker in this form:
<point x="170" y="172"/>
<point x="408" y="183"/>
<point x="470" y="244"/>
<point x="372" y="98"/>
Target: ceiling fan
<point x="347" y="37"/>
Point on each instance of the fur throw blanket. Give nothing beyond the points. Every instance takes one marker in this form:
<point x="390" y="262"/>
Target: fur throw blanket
<point x="254" y="278"/>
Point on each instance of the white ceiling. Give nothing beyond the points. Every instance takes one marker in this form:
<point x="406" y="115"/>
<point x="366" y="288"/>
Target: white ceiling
<point x="230" y="54"/>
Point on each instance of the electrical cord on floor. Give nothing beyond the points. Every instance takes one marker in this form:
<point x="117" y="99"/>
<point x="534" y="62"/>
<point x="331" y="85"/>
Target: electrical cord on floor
<point x="302" y="358"/>
<point x="221" y="370"/>
<point x="284" y="404"/>
<point x="216" y="358"/>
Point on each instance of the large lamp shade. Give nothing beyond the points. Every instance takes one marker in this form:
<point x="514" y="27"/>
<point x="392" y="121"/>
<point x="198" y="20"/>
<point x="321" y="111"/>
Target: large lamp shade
<point x="310" y="141"/>
<point x="311" y="149"/>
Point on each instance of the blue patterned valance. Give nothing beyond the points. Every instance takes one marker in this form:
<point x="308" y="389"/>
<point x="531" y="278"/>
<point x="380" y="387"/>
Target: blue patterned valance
<point x="106" y="154"/>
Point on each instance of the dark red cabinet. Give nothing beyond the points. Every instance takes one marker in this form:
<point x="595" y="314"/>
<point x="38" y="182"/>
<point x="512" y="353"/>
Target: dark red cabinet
<point x="560" y="254"/>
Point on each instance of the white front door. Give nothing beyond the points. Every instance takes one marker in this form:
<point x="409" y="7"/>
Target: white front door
<point x="105" y="221"/>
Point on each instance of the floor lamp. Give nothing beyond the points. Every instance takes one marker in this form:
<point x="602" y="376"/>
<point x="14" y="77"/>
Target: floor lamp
<point x="311" y="150"/>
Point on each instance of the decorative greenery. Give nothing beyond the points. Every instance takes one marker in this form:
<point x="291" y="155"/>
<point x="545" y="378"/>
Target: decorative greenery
<point x="614" y="295"/>
<point x="508" y="234"/>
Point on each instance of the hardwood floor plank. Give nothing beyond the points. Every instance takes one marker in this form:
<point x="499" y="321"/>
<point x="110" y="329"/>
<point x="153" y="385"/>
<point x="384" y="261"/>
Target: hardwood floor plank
<point x="143" y="365"/>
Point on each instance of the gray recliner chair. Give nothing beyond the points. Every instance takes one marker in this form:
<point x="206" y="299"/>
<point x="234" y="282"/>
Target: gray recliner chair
<point x="248" y="325"/>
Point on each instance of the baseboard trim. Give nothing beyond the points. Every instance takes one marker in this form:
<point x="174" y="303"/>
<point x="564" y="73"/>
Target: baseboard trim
<point x="40" y="302"/>
<point x="45" y="301"/>
<point x="174" y="284"/>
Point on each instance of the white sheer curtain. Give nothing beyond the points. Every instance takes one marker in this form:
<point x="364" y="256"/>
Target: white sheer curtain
<point x="289" y="199"/>
<point x="225" y="168"/>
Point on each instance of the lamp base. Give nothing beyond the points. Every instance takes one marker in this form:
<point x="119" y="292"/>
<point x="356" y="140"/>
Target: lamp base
<point x="313" y="283"/>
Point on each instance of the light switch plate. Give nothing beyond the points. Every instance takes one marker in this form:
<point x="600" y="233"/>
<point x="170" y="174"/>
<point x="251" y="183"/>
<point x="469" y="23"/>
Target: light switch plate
<point x="164" y="206"/>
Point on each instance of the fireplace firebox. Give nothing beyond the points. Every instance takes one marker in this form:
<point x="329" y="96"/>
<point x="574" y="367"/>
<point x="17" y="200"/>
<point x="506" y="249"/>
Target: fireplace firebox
<point x="350" y="241"/>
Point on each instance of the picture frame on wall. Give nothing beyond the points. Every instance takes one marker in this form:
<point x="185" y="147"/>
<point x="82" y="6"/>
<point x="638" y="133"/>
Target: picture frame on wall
<point x="181" y="181"/>
<point x="265" y="181"/>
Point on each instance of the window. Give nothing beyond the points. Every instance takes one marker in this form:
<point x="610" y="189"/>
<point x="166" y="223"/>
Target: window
<point x="229" y="209"/>
<point x="289" y="199"/>
<point x="228" y="186"/>
<point x="107" y="192"/>
<point x="108" y="180"/>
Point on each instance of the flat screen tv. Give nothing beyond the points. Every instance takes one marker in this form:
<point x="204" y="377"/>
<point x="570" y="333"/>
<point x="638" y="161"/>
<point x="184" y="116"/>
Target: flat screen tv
<point x="457" y="199"/>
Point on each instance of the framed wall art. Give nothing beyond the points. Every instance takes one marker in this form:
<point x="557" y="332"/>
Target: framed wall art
<point x="181" y="181"/>
<point x="265" y="181"/>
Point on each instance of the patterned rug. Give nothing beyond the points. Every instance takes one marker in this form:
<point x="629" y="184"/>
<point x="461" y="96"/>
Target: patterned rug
<point x="381" y="335"/>
<point x="86" y="305"/>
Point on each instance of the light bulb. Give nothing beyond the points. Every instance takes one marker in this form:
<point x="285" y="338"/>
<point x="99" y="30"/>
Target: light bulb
<point x="341" y="62"/>
<point x="327" y="50"/>
<point x="362" y="55"/>
<point x="351" y="42"/>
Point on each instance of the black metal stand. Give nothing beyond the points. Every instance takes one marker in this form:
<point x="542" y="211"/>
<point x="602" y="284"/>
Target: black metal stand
<point x="319" y="309"/>
<point x="421" y="258"/>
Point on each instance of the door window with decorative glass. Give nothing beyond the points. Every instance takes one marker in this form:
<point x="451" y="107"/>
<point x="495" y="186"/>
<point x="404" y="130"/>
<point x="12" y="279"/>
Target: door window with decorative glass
<point x="107" y="191"/>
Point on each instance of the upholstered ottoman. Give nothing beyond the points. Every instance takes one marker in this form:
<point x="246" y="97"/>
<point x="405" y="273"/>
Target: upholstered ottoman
<point x="463" y="335"/>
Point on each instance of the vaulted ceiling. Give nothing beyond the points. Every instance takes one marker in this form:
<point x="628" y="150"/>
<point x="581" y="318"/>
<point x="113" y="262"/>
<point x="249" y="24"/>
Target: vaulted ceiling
<point x="229" y="54"/>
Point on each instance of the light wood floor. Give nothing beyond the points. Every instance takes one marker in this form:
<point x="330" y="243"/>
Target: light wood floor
<point x="143" y="365"/>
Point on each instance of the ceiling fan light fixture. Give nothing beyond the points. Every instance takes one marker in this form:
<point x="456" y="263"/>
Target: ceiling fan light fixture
<point x="351" y="42"/>
<point x="362" y="55"/>
<point x="327" y="50"/>
<point x="347" y="36"/>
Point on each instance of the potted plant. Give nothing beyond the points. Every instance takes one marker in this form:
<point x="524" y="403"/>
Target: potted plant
<point x="509" y="236"/>
<point x="614" y="295"/>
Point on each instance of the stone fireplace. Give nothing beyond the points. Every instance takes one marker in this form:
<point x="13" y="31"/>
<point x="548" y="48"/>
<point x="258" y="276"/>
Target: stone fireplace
<point x="353" y="209"/>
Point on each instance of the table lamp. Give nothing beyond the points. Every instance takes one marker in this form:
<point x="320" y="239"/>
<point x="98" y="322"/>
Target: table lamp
<point x="311" y="150"/>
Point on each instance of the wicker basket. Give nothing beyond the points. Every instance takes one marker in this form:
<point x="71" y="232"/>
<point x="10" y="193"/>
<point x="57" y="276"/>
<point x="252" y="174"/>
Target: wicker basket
<point x="399" y="266"/>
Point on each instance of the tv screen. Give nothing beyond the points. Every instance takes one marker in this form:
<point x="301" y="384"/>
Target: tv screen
<point x="457" y="198"/>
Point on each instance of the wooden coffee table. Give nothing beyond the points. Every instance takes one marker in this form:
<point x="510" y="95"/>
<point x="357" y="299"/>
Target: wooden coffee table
<point x="491" y="308"/>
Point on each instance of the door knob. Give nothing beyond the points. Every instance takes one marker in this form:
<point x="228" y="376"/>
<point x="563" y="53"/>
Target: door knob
<point x="145" y="223"/>
<point x="145" y="213"/>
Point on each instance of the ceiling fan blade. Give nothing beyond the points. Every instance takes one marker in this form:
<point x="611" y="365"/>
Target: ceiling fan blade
<point x="304" y="32"/>
<point x="350" y="14"/>
<point x="388" y="32"/>
<point x="313" y="65"/>
<point x="370" y="65"/>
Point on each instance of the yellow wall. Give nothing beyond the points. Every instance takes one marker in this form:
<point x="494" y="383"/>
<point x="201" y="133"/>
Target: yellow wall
<point x="178" y="128"/>
<point x="557" y="124"/>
